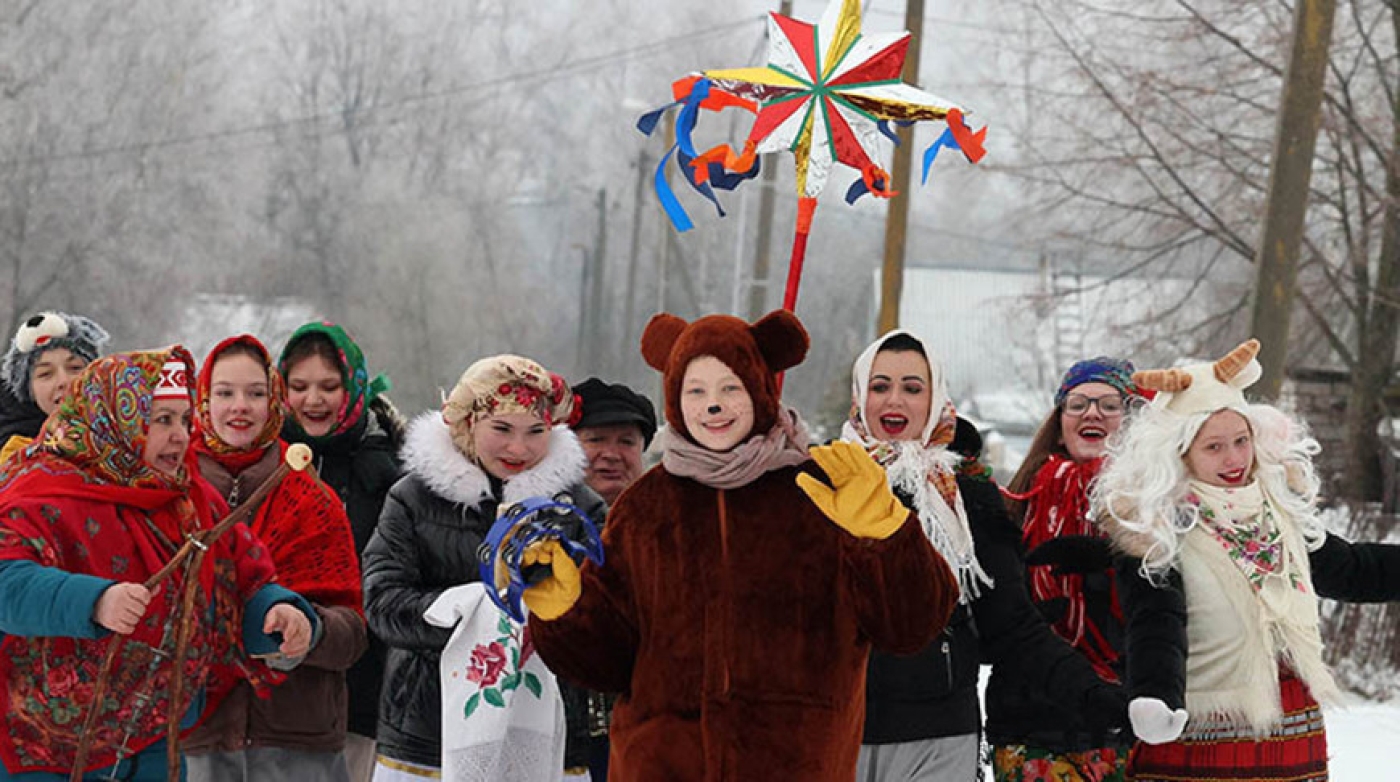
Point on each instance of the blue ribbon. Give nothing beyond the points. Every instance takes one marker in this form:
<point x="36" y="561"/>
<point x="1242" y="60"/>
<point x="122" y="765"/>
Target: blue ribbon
<point x="668" y="199"/>
<point x="945" y="140"/>
<point x="685" y="152"/>
<point x="889" y="130"/>
<point x="858" y="188"/>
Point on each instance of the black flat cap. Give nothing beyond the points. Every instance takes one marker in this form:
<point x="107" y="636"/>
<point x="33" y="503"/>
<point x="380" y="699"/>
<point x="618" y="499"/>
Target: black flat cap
<point x="614" y="403"/>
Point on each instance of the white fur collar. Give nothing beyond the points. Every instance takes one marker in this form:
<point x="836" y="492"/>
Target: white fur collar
<point x="430" y="455"/>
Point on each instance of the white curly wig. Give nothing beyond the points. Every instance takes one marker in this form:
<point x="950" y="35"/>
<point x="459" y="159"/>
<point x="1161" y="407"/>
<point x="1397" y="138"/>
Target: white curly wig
<point x="1144" y="482"/>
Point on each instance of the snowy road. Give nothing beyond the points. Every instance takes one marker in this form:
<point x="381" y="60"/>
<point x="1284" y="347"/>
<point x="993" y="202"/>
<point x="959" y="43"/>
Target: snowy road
<point x="1365" y="741"/>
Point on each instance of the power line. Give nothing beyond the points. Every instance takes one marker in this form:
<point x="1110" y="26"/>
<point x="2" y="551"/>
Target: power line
<point x="582" y="64"/>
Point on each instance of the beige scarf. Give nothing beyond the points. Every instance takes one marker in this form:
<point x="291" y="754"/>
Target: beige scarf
<point x="784" y="445"/>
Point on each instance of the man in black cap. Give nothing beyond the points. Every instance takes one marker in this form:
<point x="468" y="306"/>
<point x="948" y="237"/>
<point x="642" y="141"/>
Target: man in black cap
<point x="616" y="427"/>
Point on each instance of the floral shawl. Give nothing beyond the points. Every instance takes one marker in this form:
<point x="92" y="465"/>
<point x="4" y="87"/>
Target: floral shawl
<point x="82" y="500"/>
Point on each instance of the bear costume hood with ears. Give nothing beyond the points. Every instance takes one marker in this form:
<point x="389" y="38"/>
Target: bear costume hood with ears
<point x="756" y="353"/>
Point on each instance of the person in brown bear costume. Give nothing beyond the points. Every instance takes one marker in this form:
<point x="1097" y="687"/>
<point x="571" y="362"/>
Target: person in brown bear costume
<point x="743" y="584"/>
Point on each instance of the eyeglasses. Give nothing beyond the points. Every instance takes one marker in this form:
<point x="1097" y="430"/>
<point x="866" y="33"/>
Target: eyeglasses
<point x="1111" y="406"/>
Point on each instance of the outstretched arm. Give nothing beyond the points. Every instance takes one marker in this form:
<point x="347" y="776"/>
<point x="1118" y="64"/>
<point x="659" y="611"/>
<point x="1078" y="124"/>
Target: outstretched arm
<point x="1156" y="633"/>
<point x="1012" y="632"/>
<point x="903" y="590"/>
<point x="1356" y="572"/>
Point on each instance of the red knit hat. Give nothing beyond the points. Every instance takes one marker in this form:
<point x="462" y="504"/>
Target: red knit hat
<point x="756" y="353"/>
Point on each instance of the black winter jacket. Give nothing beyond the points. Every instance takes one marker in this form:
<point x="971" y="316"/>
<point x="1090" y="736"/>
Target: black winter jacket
<point x="1024" y="708"/>
<point x="360" y="466"/>
<point x="18" y="418"/>
<point x="1156" y="614"/>
<point x="434" y="520"/>
<point x="934" y="693"/>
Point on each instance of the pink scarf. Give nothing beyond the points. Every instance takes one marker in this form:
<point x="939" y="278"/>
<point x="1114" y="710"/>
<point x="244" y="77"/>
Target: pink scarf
<point x="784" y="445"/>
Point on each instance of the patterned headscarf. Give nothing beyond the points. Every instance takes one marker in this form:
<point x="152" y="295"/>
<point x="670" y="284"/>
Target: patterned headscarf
<point x="100" y="426"/>
<point x="1116" y="372"/>
<point x="924" y="469"/>
<point x="360" y="390"/>
<point x="501" y="385"/>
<point x="206" y="440"/>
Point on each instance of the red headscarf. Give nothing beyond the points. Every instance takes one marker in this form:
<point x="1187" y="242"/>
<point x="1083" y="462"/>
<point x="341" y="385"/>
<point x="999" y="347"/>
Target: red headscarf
<point x="206" y="441"/>
<point x="302" y="522"/>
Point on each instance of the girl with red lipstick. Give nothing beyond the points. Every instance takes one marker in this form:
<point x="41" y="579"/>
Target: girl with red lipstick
<point x="922" y="721"/>
<point x="299" y="732"/>
<point x="502" y="436"/>
<point x="1213" y="501"/>
<point x="1070" y="578"/>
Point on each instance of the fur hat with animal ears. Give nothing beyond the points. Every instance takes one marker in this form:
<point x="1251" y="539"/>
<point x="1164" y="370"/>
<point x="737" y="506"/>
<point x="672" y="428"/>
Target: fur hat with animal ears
<point x="755" y="352"/>
<point x="1205" y="388"/>
<point x="41" y="333"/>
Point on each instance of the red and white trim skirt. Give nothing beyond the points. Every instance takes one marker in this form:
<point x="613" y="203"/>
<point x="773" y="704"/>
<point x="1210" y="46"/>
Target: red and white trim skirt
<point x="1296" y="751"/>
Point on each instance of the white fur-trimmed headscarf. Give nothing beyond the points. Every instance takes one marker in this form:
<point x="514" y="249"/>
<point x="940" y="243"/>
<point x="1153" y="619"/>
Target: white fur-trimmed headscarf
<point x="924" y="469"/>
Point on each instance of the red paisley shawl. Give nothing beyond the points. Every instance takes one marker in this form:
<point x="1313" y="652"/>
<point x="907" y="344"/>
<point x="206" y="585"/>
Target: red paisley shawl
<point x="1056" y="505"/>
<point x="81" y="499"/>
<point x="302" y="522"/>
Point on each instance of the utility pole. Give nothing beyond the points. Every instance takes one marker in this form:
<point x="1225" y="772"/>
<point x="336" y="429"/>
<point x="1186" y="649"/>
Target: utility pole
<point x="595" y="298"/>
<point x="629" y="344"/>
<point x="1276" y="261"/>
<point x="758" y="289"/>
<point x="897" y="219"/>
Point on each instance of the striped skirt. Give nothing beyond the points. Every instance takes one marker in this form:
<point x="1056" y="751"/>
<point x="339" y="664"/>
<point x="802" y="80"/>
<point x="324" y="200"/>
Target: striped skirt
<point x="1296" y="751"/>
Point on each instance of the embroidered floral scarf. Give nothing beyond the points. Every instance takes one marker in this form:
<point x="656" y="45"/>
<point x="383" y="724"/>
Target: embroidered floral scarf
<point x="1245" y="523"/>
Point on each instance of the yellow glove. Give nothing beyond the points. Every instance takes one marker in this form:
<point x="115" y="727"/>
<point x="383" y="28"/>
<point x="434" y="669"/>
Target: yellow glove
<point x="556" y="594"/>
<point x="859" y="499"/>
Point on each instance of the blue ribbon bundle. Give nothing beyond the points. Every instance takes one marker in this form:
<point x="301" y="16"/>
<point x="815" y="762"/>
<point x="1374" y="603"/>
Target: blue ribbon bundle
<point x="525" y="523"/>
<point x="685" y="152"/>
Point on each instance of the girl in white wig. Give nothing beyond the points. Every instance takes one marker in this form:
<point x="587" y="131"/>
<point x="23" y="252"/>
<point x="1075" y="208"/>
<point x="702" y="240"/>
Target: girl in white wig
<point x="1213" y="501"/>
<point x="922" y="719"/>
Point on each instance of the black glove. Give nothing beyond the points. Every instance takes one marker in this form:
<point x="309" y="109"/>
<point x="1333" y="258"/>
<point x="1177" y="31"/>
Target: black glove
<point x="1053" y="610"/>
<point x="1073" y="554"/>
<point x="1106" y="709"/>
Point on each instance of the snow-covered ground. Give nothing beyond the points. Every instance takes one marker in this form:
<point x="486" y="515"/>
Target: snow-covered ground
<point x="1365" y="741"/>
